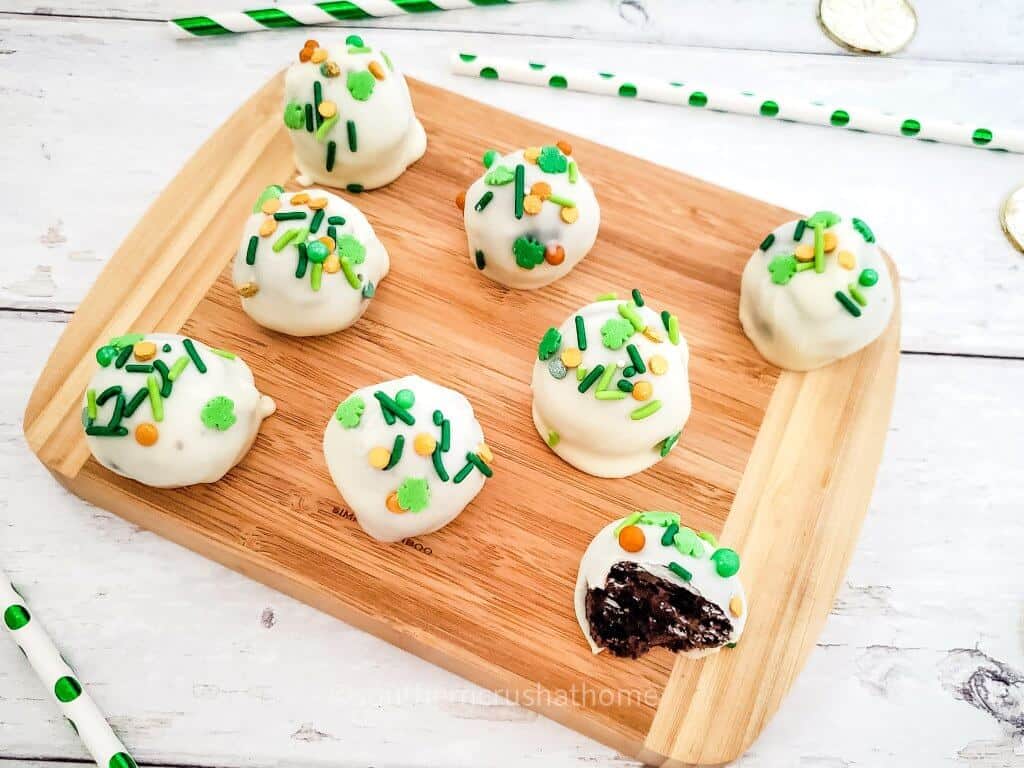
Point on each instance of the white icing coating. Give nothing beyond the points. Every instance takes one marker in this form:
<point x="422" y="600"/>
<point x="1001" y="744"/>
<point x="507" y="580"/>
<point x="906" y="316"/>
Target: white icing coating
<point x="494" y="230"/>
<point x="366" y="488"/>
<point x="289" y="304"/>
<point x="388" y="137"/>
<point x="599" y="436"/>
<point x="801" y="325"/>
<point x="604" y="552"/>
<point x="186" y="451"/>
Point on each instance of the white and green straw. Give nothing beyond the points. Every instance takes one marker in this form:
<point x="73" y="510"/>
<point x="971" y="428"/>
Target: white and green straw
<point x="60" y="680"/>
<point x="312" y="14"/>
<point x="702" y="96"/>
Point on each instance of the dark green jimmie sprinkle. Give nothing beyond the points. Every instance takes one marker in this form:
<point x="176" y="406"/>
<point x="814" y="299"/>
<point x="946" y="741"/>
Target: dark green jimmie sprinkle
<point x="590" y="378"/>
<point x="666" y="318"/>
<point x="123" y="355"/>
<point x="629" y="371"/>
<point x="481" y="261"/>
<point x="354" y="188"/>
<point x="438" y="460"/>
<point x="166" y="385"/>
<point x="332" y="233"/>
<point x="438" y="418"/>
<point x="669" y="535"/>
<point x="289" y="215"/>
<point x="634" y="356"/>
<point x="303" y="263"/>
<point x="625" y="386"/>
<point x="318" y="96"/>
<point x="332" y="148"/>
<point x="118" y="414"/>
<point x="581" y="334"/>
<point x="848" y="303"/>
<point x="190" y="349"/>
<point x="353" y="141"/>
<point x="396" y="452"/>
<point x="463" y="473"/>
<point x="520" y="182"/>
<point x="840" y="118"/>
<point x="137" y="399"/>
<point x="484" y="201"/>
<point x="250" y="252"/>
<point x="314" y="224"/>
<point x="95" y="431"/>
<point x="798" y="233"/>
<point x="767" y="242"/>
<point x="309" y="118"/>
<point x="679" y="571"/>
<point x="480" y="464"/>
<point x="390" y="407"/>
<point x="135" y="368"/>
<point x="336" y="220"/>
<point x="108" y="393"/>
<point x="638" y="298"/>
<point x="446" y="435"/>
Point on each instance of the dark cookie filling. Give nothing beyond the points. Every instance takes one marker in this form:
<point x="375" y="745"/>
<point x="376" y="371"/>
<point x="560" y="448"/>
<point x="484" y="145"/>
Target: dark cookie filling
<point x="636" y="611"/>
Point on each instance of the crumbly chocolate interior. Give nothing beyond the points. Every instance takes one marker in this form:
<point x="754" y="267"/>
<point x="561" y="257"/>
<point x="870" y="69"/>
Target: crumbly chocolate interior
<point x="636" y="611"/>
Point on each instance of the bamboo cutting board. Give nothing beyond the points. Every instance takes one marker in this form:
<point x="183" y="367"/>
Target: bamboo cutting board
<point x="781" y="465"/>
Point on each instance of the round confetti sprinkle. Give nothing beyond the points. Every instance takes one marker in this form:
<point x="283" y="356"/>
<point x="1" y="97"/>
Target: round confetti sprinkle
<point x="146" y="434"/>
<point x="267" y="227"/>
<point x="248" y="290"/>
<point x="319" y="55"/>
<point x="379" y="457"/>
<point x="541" y="189"/>
<point x="736" y="606"/>
<point x="424" y="444"/>
<point x="804" y="252"/>
<point x="532" y="204"/>
<point x="392" y="503"/>
<point x="332" y="264"/>
<point x="330" y="69"/>
<point x="642" y="390"/>
<point x="106" y="355"/>
<point x="530" y="154"/>
<point x="846" y="260"/>
<point x="570" y="214"/>
<point x="868" y="277"/>
<point x="317" y="252"/>
<point x="571" y="357"/>
<point x="657" y="365"/>
<point x="831" y="241"/>
<point x="632" y="539"/>
<point x="327" y="109"/>
<point x="554" y="254"/>
<point x="144" y="350"/>
<point x="405" y="398"/>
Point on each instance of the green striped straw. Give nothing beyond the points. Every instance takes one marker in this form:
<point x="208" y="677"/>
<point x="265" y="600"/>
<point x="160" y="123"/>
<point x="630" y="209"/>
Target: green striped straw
<point x="60" y="680"/>
<point x="312" y="14"/>
<point x="702" y="96"/>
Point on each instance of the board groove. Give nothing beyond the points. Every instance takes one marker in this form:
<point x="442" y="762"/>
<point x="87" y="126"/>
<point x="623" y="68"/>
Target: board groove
<point x="782" y="464"/>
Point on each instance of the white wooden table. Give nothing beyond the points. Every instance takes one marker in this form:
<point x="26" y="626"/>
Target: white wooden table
<point x="921" y="662"/>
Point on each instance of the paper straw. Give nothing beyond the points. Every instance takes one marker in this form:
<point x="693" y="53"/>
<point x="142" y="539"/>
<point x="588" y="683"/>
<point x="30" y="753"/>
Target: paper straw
<point x="739" y="102"/>
<point x="311" y="14"/>
<point x="60" y="680"/>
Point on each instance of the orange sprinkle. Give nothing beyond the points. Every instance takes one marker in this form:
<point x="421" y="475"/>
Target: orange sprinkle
<point x="329" y="242"/>
<point x="541" y="189"/>
<point x="317" y="203"/>
<point x="554" y="254"/>
<point x="658" y="365"/>
<point x="332" y="264"/>
<point x="632" y="539"/>
<point x="299" y="198"/>
<point x="565" y="146"/>
<point x="392" y="504"/>
<point x="831" y="241"/>
<point x="311" y="44"/>
<point x="248" y="290"/>
<point x="653" y="335"/>
<point x="571" y="357"/>
<point x="805" y="252"/>
<point x="146" y="434"/>
<point x="378" y="457"/>
<point x="327" y="109"/>
<point x="267" y="227"/>
<point x="530" y="154"/>
<point x="642" y="390"/>
<point x="460" y="201"/>
<point x="318" y="56"/>
<point x="376" y="70"/>
<point x="736" y="606"/>
<point x="424" y="444"/>
<point x="569" y="215"/>
<point x="273" y="205"/>
<point x="846" y="260"/>
<point x="145" y="350"/>
<point x="532" y="204"/>
<point x="305" y="54"/>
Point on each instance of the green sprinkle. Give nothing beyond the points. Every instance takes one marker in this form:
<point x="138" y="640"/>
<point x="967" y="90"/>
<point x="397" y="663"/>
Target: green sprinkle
<point x="282" y="242"/>
<point x="857" y="295"/>
<point x="414" y="494"/>
<point x="581" y="373"/>
<point x="310" y="124"/>
<point x="634" y="357"/>
<point x="350" y="273"/>
<point x="137" y="399"/>
<point x="709" y="537"/>
<point x="314" y="224"/>
<point x="480" y="464"/>
<point x="727" y="562"/>
<point x="353" y="139"/>
<point x="391" y="408"/>
<point x="369" y="291"/>
<point x="463" y="473"/>
<point x="332" y="233"/>
<point x="219" y="413"/>
<point x="105" y="355"/>
<point x="629" y="313"/>
<point x="574" y="172"/>
<point x="123" y="356"/>
<point x="359" y="49"/>
<point x="638" y="298"/>
<point x="606" y="378"/>
<point x="357" y="41"/>
<point x="315" y="276"/>
<point x="387" y="60"/>
<point x="646" y="410"/>
<point x="108" y="393"/>
<point x="625" y="385"/>
<point x="193" y="353"/>
<point x="607" y="297"/>
<point x="396" y="452"/>
<point x="679" y="571"/>
<point x="438" y="418"/>
<point x="782" y="268"/>
<point x="318" y="97"/>
<point x="446" y="436"/>
<point x="179" y="365"/>
<point x="864" y="230"/>
<point x="666" y="318"/>
<point x="356" y="188"/>
<point x="669" y="535"/>
<point x="631" y="519"/>
<point x="135" y="368"/>
<point x="767" y="242"/>
<point x="303" y="263"/>
<point x="350" y="412"/>
<point x="250" y="252"/>
<point x="819" y="248"/>
<point x="272" y="192"/>
<point x="553" y="438"/>
<point x="798" y="232"/>
<point x="520" y="181"/>
<point x="325" y="128"/>
<point x="336" y="220"/>
<point x="438" y="460"/>
<point x="668" y="444"/>
<point x="803" y="266"/>
<point x="484" y="200"/>
<point x="581" y="334"/>
<point x="289" y="215"/>
<point x="405" y="398"/>
<point x="165" y="378"/>
<point x="536" y="65"/>
<point x="95" y="431"/>
<point x="850" y="307"/>
<point x="91" y="407"/>
<point x="223" y="353"/>
<point x="360" y="84"/>
<point x="590" y="378"/>
<point x="481" y="260"/>
<point x="615" y="332"/>
<point x="332" y="148"/>
<point x="611" y="394"/>
<point x="629" y="371"/>
<point x="868" y="278"/>
<point x="489" y="157"/>
<point x="562" y="201"/>
<point x="155" y="401"/>
<point x="549" y="344"/>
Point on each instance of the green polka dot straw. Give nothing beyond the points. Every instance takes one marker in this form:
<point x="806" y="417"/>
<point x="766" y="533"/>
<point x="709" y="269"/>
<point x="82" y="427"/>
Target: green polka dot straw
<point x="703" y="96"/>
<point x="310" y="14"/>
<point x="60" y="680"/>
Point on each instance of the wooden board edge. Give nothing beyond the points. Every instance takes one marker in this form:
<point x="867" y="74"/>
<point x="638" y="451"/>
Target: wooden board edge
<point x="815" y="422"/>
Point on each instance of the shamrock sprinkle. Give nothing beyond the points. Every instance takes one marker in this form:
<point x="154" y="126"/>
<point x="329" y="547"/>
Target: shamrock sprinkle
<point x="549" y="344"/>
<point x="294" y="117"/>
<point x="414" y="494"/>
<point x="825" y="218"/>
<point x="782" y="268"/>
<point x="499" y="176"/>
<point x="689" y="543"/>
<point x="351" y="249"/>
<point x="350" y="412"/>
<point x="528" y="252"/>
<point x="616" y="332"/>
<point x="360" y="85"/>
<point x="551" y="160"/>
<point x="219" y="413"/>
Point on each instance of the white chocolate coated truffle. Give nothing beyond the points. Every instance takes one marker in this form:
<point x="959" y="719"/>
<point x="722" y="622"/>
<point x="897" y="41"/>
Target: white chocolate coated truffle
<point x="308" y="263"/>
<point x="801" y="318"/>
<point x="612" y="400"/>
<point x="531" y="217"/>
<point x="407" y="455"/>
<point x="350" y="117"/>
<point x="693" y="561"/>
<point x="168" y="411"/>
